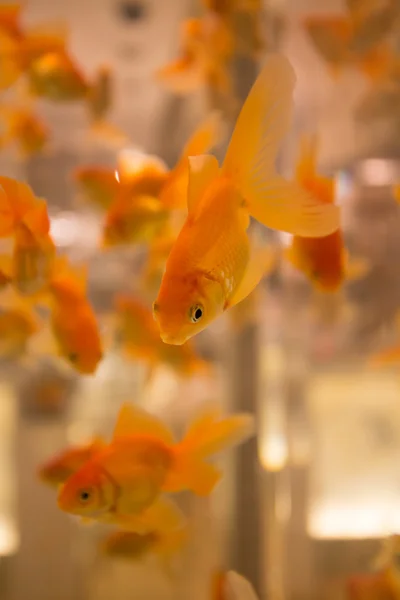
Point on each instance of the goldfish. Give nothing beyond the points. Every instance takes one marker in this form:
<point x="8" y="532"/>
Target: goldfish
<point x="131" y="546"/>
<point x="322" y="260"/>
<point x="138" y="334"/>
<point x="18" y="324"/>
<point x="340" y="45"/>
<point x="211" y="266"/>
<point x="19" y="48"/>
<point x="72" y="318"/>
<point x="27" y="219"/>
<point x="57" y="470"/>
<point x="24" y="128"/>
<point x="55" y="76"/>
<point x="134" y="220"/>
<point x="99" y="185"/>
<point x="124" y="482"/>
<point x="207" y="44"/>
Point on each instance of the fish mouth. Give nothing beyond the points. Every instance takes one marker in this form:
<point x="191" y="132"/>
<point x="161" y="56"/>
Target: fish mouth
<point x="172" y="340"/>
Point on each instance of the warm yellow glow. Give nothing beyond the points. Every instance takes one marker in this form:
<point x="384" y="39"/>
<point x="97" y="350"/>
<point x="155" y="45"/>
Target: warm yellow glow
<point x="9" y="538"/>
<point x="354" y="491"/>
<point x="132" y="160"/>
<point x="272" y="443"/>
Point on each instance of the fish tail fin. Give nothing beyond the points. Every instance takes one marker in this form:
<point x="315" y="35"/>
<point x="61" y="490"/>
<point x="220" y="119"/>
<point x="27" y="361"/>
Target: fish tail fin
<point x="207" y="436"/>
<point x="250" y="159"/>
<point x="169" y="546"/>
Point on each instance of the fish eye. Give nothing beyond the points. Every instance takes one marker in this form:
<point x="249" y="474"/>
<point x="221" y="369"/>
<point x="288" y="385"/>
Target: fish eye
<point x="85" y="495"/>
<point x="196" y="313"/>
<point x="73" y="357"/>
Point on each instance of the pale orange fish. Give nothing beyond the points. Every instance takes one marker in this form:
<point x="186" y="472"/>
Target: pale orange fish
<point x="98" y="184"/>
<point x="18" y="324"/>
<point x="72" y="320"/>
<point x="58" y="469"/>
<point x="27" y="220"/>
<point x="137" y="332"/>
<point x="20" y="47"/>
<point x="207" y="44"/>
<point x="322" y="260"/>
<point x="22" y="127"/>
<point x="123" y="483"/>
<point x="337" y="41"/>
<point x="211" y="266"/>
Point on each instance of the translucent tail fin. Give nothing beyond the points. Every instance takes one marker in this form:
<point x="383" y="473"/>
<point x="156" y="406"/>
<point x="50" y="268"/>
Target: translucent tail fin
<point x="250" y="159"/>
<point x="208" y="435"/>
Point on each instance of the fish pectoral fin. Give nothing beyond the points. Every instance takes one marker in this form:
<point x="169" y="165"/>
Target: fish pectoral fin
<point x="162" y="516"/>
<point x="262" y="261"/>
<point x="202" y="170"/>
<point x="133" y="420"/>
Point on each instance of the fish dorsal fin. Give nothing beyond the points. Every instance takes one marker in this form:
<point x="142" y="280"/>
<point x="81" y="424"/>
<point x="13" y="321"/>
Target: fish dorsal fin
<point x="202" y="170"/>
<point x="133" y="420"/>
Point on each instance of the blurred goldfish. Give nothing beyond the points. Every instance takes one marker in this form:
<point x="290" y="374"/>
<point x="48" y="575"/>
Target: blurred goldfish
<point x="57" y="470"/>
<point x="340" y="45"/>
<point x="207" y="45"/>
<point x="18" y="324"/>
<point x="24" y="128"/>
<point x="98" y="184"/>
<point x="27" y="219"/>
<point x="73" y="321"/>
<point x="322" y="260"/>
<point x="123" y="482"/>
<point x="138" y="334"/>
<point x="55" y="76"/>
<point x="19" y="47"/>
<point x="226" y="7"/>
<point x="131" y="546"/>
<point x="211" y="267"/>
<point x="134" y="219"/>
<point x="396" y="193"/>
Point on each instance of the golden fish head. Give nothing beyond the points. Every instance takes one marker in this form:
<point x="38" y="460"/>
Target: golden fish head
<point x="187" y="304"/>
<point x="90" y="492"/>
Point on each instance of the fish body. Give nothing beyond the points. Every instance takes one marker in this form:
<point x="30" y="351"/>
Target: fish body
<point x="72" y="319"/>
<point x="212" y="265"/>
<point x="127" y="478"/>
<point x="57" y="470"/>
<point x="98" y="184"/>
<point x="322" y="260"/>
<point x="55" y="76"/>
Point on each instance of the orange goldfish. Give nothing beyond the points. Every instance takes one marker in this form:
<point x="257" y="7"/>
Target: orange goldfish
<point x="322" y="260"/>
<point x="138" y="334"/>
<point x="207" y="44"/>
<point x="340" y="45"/>
<point x="124" y="481"/>
<point x="134" y="219"/>
<point x="26" y="218"/>
<point x="72" y="320"/>
<point x="131" y="546"/>
<point x="23" y="127"/>
<point x="18" y="324"/>
<point x="57" y="470"/>
<point x="211" y="267"/>
<point x="98" y="184"/>
<point x="19" y="48"/>
<point x="55" y="76"/>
